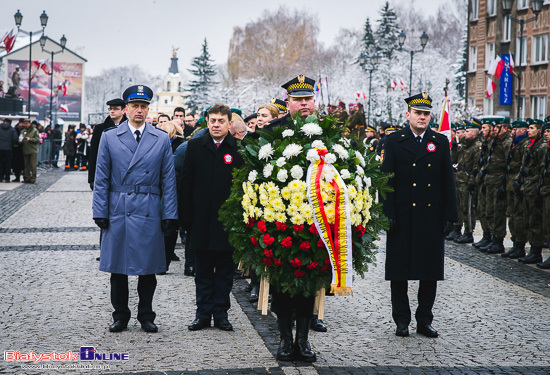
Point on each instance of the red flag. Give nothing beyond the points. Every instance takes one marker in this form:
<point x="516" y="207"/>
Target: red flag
<point x="63" y="87"/>
<point x="9" y="41"/>
<point x="491" y="86"/>
<point x="445" y="122"/>
<point x="496" y="67"/>
<point x="42" y="64"/>
<point x="393" y="85"/>
<point x="64" y="107"/>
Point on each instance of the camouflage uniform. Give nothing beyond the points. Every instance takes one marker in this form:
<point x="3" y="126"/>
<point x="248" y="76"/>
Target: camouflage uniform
<point x="545" y="193"/>
<point x="456" y="152"/>
<point x="482" y="192"/>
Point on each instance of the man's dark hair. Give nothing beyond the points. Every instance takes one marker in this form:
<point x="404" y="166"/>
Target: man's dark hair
<point x="7" y="120"/>
<point x="179" y="109"/>
<point x="163" y="115"/>
<point x="219" y="109"/>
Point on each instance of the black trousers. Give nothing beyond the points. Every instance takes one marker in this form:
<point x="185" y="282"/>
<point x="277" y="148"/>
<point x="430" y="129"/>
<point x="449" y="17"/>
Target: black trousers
<point x="283" y="304"/>
<point x="401" y="311"/>
<point x="169" y="247"/>
<point x="213" y="281"/>
<point x="189" y="253"/>
<point x="5" y="164"/>
<point x="119" y="297"/>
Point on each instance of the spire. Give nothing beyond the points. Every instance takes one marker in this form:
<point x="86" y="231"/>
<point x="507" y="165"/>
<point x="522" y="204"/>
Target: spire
<point x="174" y="65"/>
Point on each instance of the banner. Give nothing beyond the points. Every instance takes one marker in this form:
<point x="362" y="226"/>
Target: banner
<point x="506" y="83"/>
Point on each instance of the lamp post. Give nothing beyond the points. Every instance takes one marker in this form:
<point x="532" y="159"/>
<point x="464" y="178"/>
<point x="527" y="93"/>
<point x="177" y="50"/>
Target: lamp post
<point x="423" y="41"/>
<point x="374" y="61"/>
<point x="43" y="22"/>
<point x="63" y="42"/>
<point x="536" y="7"/>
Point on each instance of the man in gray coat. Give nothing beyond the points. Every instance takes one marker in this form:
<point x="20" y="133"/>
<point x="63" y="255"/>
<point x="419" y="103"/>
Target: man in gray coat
<point x="135" y="204"/>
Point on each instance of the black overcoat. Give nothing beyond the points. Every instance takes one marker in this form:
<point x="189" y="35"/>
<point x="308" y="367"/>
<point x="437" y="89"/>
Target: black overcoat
<point x="205" y="184"/>
<point x="423" y="200"/>
<point x="94" y="144"/>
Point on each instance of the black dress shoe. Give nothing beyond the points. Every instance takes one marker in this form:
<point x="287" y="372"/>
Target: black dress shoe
<point x="544" y="265"/>
<point x="199" y="324"/>
<point x="148" y="326"/>
<point x="223" y="324"/>
<point x="98" y="258"/>
<point x="427" y="330"/>
<point x="254" y="293"/>
<point x="118" y="326"/>
<point x="189" y="271"/>
<point x="318" y="325"/>
<point x="402" y="330"/>
<point x="174" y="258"/>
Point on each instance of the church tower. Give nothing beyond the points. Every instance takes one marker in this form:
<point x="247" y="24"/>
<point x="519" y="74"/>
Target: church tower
<point x="170" y="95"/>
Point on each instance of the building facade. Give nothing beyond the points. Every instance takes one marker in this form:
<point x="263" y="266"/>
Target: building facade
<point x="171" y="94"/>
<point x="491" y="34"/>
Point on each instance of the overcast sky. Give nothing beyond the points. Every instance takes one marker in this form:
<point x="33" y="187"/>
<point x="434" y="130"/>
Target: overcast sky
<point x="112" y="33"/>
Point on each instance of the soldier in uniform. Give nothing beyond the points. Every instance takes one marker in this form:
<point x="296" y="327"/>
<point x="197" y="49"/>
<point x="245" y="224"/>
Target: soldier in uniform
<point x="465" y="179"/>
<point x="526" y="184"/>
<point x="486" y="130"/>
<point x="341" y="114"/>
<point x="135" y="205"/>
<point x="456" y="153"/>
<point x="370" y="141"/>
<point x="356" y="120"/>
<point x="516" y="216"/>
<point x="422" y="201"/>
<point x="281" y="106"/>
<point x="545" y="190"/>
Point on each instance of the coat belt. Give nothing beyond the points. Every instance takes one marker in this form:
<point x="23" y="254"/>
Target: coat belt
<point x="136" y="189"/>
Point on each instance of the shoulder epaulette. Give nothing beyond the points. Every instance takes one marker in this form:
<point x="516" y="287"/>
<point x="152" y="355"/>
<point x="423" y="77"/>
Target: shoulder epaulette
<point x="112" y="127"/>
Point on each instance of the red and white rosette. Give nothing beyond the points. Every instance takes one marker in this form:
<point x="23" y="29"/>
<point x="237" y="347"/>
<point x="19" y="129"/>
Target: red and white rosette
<point x="430" y="147"/>
<point x="227" y="159"/>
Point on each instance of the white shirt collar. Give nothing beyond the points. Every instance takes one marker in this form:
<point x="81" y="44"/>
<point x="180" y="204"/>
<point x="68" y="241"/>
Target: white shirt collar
<point x="133" y="129"/>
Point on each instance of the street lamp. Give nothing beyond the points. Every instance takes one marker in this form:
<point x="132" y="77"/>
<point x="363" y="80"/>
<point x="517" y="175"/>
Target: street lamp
<point x="374" y="61"/>
<point x="423" y="41"/>
<point x="536" y="7"/>
<point x="63" y="42"/>
<point x="43" y="22"/>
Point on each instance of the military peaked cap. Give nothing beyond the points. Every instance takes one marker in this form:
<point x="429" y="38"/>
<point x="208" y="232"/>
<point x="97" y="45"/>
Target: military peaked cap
<point x="421" y="101"/>
<point x="280" y="104"/>
<point x="299" y="86"/>
<point x="138" y="93"/>
<point x="117" y="102"/>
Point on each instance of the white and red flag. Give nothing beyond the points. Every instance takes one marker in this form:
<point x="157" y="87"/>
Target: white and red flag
<point x="64" y="107"/>
<point x="445" y="121"/>
<point x="9" y="40"/>
<point x="491" y="86"/>
<point x="496" y="67"/>
<point x="42" y="64"/>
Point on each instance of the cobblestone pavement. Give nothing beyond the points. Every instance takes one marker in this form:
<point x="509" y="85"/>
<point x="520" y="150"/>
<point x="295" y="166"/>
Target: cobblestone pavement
<point x="492" y="314"/>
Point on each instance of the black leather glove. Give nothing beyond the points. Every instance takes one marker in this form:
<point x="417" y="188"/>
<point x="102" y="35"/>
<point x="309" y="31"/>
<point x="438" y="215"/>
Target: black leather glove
<point x="501" y="192"/>
<point x="101" y="222"/>
<point x="91" y="186"/>
<point x="392" y="225"/>
<point x="168" y="226"/>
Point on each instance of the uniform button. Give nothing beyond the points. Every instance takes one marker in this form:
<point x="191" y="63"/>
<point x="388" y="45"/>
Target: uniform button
<point x="429" y="185"/>
<point x="128" y="214"/>
<point x="429" y="165"/>
<point x="414" y="204"/>
<point x="414" y="164"/>
<point x="129" y="193"/>
<point x="429" y="204"/>
<point x="146" y="172"/>
<point x="414" y="183"/>
<point x="147" y="215"/>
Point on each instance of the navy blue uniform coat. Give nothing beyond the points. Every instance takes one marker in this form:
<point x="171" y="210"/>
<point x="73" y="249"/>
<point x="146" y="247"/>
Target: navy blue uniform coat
<point x="423" y="200"/>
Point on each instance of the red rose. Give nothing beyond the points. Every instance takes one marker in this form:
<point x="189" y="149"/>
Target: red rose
<point x="298" y="228"/>
<point x="261" y="226"/>
<point x="286" y="242"/>
<point x="312" y="265"/>
<point x="312" y="229"/>
<point x="280" y="226"/>
<point x="327" y="260"/>
<point x="296" y="262"/>
<point x="254" y="241"/>
<point x="299" y="273"/>
<point x="268" y="253"/>
<point x="325" y="268"/>
<point x="250" y="223"/>
<point x="320" y="243"/>
<point x="268" y="240"/>
<point x="277" y="262"/>
<point x="305" y="246"/>
<point x="360" y="230"/>
<point x="267" y="261"/>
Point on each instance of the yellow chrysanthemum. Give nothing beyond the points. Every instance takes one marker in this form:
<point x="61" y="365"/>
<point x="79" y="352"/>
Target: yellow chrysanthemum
<point x="292" y="210"/>
<point x="264" y="200"/>
<point x="269" y="215"/>
<point x="286" y="192"/>
<point x="281" y="217"/>
<point x="294" y="185"/>
<point x="257" y="212"/>
<point x="306" y="211"/>
<point x="352" y="192"/>
<point x="297" y="198"/>
<point x="297" y="219"/>
<point x="278" y="204"/>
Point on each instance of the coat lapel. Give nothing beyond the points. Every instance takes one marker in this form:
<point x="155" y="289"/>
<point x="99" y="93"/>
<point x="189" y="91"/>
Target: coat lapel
<point x="208" y="142"/>
<point x="148" y="140"/>
<point x="407" y="141"/>
<point x="429" y="137"/>
<point x="126" y="137"/>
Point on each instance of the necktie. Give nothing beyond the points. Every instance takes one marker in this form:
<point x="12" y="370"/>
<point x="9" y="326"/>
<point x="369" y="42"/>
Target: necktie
<point x="218" y="144"/>
<point x="418" y="139"/>
<point x="138" y="135"/>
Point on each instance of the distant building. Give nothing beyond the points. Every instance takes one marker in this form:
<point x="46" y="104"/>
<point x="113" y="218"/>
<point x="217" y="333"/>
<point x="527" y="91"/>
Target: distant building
<point x="170" y="95"/>
<point x="492" y="34"/>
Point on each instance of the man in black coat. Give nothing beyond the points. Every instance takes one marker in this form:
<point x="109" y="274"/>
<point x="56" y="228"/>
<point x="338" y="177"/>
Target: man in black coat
<point x="116" y="116"/>
<point x="205" y="184"/>
<point x="422" y="201"/>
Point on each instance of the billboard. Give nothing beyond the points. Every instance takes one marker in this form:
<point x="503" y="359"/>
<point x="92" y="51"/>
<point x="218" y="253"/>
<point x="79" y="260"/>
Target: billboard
<point x="66" y="92"/>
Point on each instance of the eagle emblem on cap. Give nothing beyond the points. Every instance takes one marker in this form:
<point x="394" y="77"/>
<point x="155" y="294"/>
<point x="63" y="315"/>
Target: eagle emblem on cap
<point x="301" y="78"/>
<point x="273" y="101"/>
<point x="140" y="88"/>
<point x="425" y="95"/>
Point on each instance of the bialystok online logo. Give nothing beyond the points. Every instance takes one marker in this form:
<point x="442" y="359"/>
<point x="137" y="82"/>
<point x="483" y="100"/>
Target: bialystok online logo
<point x="87" y="353"/>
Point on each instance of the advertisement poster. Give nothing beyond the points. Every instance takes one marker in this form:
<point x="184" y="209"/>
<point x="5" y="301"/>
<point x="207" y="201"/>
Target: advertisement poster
<point x="506" y="81"/>
<point x="67" y="88"/>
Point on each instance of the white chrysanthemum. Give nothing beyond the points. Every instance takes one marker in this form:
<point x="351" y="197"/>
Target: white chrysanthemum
<point x="312" y="155"/>
<point x="359" y="182"/>
<point x="368" y="182"/>
<point x="252" y="175"/>
<point x="268" y="169"/>
<point x="310" y="129"/>
<point x="280" y="162"/>
<point x="360" y="171"/>
<point x="330" y="158"/>
<point x="377" y="158"/>
<point x="344" y="173"/>
<point x="318" y="144"/>
<point x="288" y="133"/>
<point x="292" y="150"/>
<point x="296" y="172"/>
<point x="346" y="142"/>
<point x="282" y="175"/>
<point x="328" y="175"/>
<point x="341" y="151"/>
<point x="360" y="157"/>
<point x="266" y="152"/>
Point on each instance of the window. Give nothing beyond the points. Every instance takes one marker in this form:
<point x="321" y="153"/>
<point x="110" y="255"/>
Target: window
<point x="472" y="59"/>
<point x="491" y="8"/>
<point x="474" y="15"/>
<point x="523" y="52"/>
<point x="523" y="4"/>
<point x="522" y="108"/>
<point x="488" y="106"/>
<point x="507" y="29"/>
<point x="489" y="54"/>
<point x="168" y="86"/>
<point x="539" y="49"/>
<point x="471" y="103"/>
<point x="179" y="87"/>
<point x="538" y="107"/>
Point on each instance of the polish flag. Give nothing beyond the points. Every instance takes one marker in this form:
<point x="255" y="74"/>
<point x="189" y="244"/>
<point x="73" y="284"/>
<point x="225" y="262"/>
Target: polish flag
<point x="64" y="107"/>
<point x="393" y="85"/>
<point x="63" y="88"/>
<point x="511" y="66"/>
<point x="445" y="122"/>
<point x="42" y="64"/>
<point x="496" y="67"/>
<point x="491" y="86"/>
<point x="9" y="40"/>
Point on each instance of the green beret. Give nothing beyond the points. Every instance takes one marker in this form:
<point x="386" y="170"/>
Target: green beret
<point x="536" y="121"/>
<point x="546" y="126"/>
<point x="472" y="125"/>
<point x="519" y="124"/>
